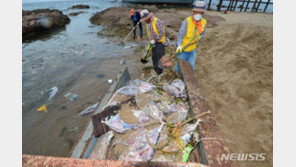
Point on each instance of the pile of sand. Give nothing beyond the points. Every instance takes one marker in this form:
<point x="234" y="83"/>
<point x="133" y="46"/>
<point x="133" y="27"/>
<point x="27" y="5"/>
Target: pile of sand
<point x="235" y="71"/>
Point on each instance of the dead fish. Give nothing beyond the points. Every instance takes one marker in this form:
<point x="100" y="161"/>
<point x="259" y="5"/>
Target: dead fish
<point x="53" y="92"/>
<point x="89" y="109"/>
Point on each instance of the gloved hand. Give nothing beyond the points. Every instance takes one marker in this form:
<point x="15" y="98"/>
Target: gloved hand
<point x="152" y="42"/>
<point x="179" y="49"/>
<point x="149" y="47"/>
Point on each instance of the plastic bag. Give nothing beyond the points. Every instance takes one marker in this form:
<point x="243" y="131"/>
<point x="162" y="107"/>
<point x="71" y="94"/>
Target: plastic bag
<point x="141" y="150"/>
<point x="53" y="92"/>
<point x="89" y="109"/>
<point x="178" y="112"/>
<point x="176" y="88"/>
<point x="118" y="125"/>
<point x="135" y="87"/>
<point x="101" y="147"/>
<point x="141" y="115"/>
<point x="154" y="111"/>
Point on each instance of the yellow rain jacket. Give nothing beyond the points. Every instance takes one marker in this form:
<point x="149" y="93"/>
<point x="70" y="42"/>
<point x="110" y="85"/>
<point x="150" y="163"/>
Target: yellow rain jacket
<point x="192" y="35"/>
<point x="156" y="31"/>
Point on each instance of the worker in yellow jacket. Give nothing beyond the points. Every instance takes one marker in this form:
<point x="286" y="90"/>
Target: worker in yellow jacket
<point x="192" y="30"/>
<point x="156" y="35"/>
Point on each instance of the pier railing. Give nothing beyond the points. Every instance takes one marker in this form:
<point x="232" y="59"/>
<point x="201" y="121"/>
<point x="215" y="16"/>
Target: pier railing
<point x="240" y="5"/>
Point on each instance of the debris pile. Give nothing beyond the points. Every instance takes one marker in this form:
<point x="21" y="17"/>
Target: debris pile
<point x="152" y="121"/>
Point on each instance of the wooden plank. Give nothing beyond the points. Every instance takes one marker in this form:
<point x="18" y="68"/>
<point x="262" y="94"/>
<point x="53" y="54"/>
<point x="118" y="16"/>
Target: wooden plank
<point x="219" y="5"/>
<point x="210" y="151"/>
<point x="266" y="5"/>
<point x="247" y="5"/>
<point x="209" y="5"/>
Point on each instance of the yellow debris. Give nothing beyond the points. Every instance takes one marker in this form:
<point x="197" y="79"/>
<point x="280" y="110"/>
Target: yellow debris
<point x="42" y="108"/>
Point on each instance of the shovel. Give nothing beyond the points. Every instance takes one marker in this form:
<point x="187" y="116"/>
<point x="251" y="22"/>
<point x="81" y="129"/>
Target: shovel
<point x="122" y="43"/>
<point x="144" y="60"/>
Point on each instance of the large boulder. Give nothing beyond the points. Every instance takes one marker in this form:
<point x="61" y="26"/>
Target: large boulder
<point x="80" y="7"/>
<point x="40" y="20"/>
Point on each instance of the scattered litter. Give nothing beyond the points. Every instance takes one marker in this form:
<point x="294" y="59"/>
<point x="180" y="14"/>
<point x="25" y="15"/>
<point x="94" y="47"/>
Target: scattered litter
<point x="118" y="125"/>
<point x="42" y="108"/>
<point x="154" y="111"/>
<point x="141" y="115"/>
<point x="110" y="81"/>
<point x="71" y="96"/>
<point x="186" y="152"/>
<point x="89" y="109"/>
<point x="176" y="88"/>
<point x="101" y="147"/>
<point x="122" y="62"/>
<point x="141" y="150"/>
<point x="101" y="76"/>
<point x="52" y="92"/>
<point x="135" y="87"/>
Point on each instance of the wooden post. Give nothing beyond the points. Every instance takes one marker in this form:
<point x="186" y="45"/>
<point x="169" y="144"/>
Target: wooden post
<point x="258" y="6"/>
<point x="242" y="5"/>
<point x="209" y="5"/>
<point x="254" y="6"/>
<point x="219" y="5"/>
<point x="247" y="5"/>
<point x="229" y="4"/>
<point x="266" y="5"/>
<point x="235" y="5"/>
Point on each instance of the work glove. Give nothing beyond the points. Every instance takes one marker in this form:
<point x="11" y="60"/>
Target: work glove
<point x="149" y="47"/>
<point x="179" y="49"/>
<point x="152" y="42"/>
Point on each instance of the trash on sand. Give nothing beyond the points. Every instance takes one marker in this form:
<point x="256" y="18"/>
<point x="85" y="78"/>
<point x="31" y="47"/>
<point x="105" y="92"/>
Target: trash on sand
<point x="176" y="88"/>
<point x="135" y="87"/>
<point x="101" y="75"/>
<point x="186" y="152"/>
<point x="42" y="108"/>
<point x="141" y="150"/>
<point x="89" y="109"/>
<point x="110" y="81"/>
<point x="178" y="112"/>
<point x="122" y="62"/>
<point x="154" y="111"/>
<point x="71" y="96"/>
<point x="118" y="125"/>
<point x="101" y="147"/>
<point x="141" y="115"/>
<point x="52" y="92"/>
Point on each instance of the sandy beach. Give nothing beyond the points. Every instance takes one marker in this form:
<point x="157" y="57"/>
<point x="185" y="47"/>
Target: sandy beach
<point x="234" y="66"/>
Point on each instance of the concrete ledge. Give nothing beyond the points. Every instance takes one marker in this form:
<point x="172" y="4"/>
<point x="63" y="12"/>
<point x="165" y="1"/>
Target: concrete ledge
<point x="212" y="145"/>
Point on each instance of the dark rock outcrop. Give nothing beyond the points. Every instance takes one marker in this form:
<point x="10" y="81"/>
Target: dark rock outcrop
<point x="80" y="7"/>
<point x="41" y="20"/>
<point x="75" y="13"/>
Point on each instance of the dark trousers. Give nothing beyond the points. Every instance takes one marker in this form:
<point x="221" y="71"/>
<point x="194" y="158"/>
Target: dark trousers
<point x="141" y="29"/>
<point x="157" y="52"/>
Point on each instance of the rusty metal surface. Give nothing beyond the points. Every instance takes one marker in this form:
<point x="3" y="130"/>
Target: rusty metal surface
<point x="212" y="145"/>
<point x="47" y="161"/>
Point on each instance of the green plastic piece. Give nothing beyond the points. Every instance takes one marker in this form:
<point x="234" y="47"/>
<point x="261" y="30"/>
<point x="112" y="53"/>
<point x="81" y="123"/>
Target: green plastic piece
<point x="186" y="152"/>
